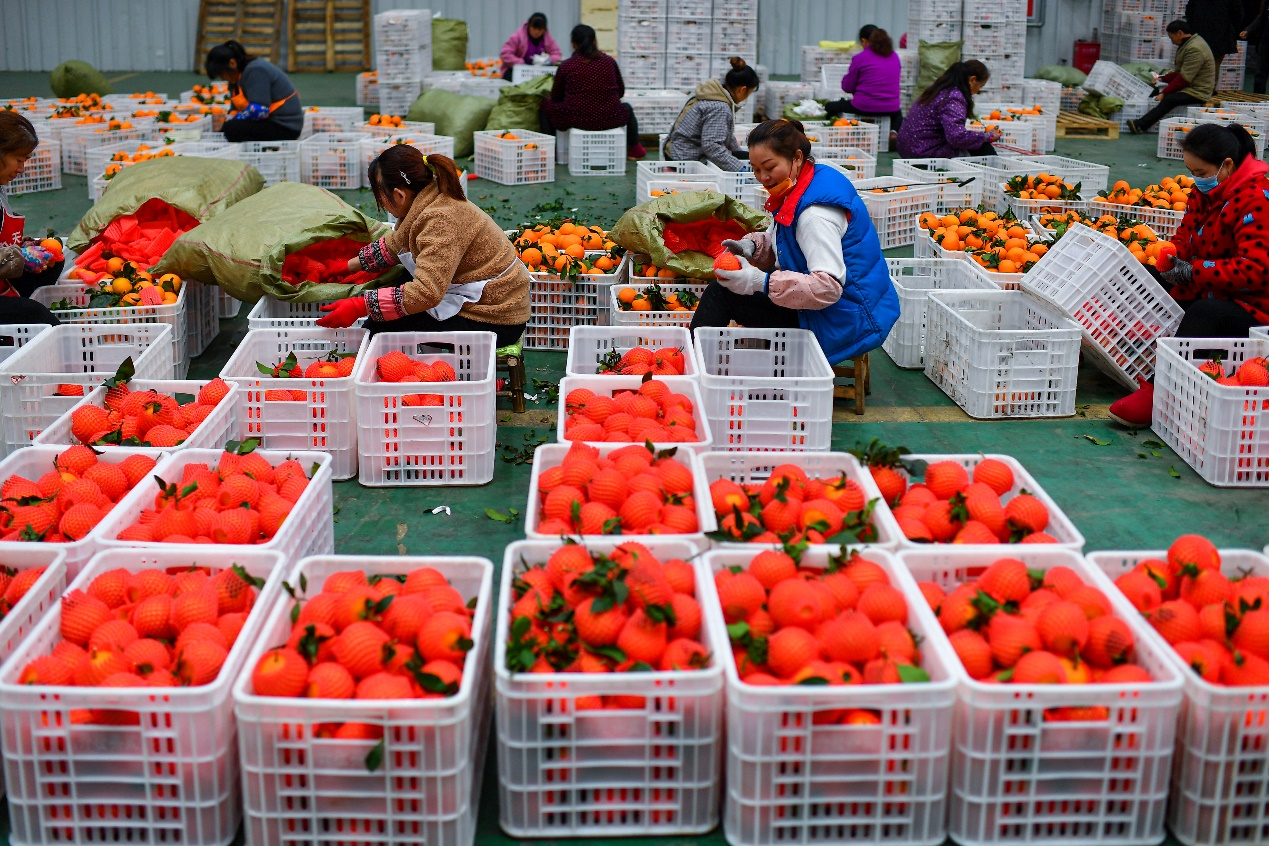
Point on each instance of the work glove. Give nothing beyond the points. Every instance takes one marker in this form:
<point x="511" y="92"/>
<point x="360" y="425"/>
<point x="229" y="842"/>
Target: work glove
<point x="343" y="313"/>
<point x="1180" y="273"/>
<point x="746" y="281"/>
<point x="743" y="248"/>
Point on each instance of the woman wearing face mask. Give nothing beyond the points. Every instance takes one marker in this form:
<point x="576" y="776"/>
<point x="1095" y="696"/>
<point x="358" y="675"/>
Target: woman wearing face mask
<point x="18" y="280"/>
<point x="1221" y="272"/>
<point x="818" y="267"/>
<point x="466" y="274"/>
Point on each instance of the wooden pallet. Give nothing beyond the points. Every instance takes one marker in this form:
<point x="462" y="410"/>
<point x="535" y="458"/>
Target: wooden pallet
<point x="1076" y="125"/>
<point x="252" y="23"/>
<point x="1221" y="97"/>
<point x="329" y="35"/>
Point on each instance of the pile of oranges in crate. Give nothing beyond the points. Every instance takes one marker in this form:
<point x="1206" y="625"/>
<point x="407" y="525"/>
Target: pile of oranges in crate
<point x="564" y="249"/>
<point x="1172" y="193"/>
<point x="999" y="244"/>
<point x="1142" y="241"/>
<point x="1042" y="186"/>
<point x="485" y="67"/>
<point x="384" y="120"/>
<point x="144" y="153"/>
<point x="654" y="298"/>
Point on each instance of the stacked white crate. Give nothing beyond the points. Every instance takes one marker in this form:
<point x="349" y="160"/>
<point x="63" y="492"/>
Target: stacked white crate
<point x="641" y="42"/>
<point x="909" y="67"/>
<point x="734" y="30"/>
<point x="934" y="21"/>
<point x="655" y="109"/>
<point x="814" y="58"/>
<point x="1134" y="30"/>
<point x="1232" y="70"/>
<point x="403" y="56"/>
<point x="1046" y="94"/>
<point x="995" y="33"/>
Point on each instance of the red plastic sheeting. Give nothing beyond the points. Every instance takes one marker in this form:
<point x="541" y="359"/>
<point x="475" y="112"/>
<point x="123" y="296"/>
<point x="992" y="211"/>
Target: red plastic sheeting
<point x="325" y="261"/>
<point x="703" y="236"/>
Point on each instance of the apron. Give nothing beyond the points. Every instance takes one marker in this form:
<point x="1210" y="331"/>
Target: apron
<point x="11" y="227"/>
<point x="457" y="295"/>
<point x="239" y="101"/>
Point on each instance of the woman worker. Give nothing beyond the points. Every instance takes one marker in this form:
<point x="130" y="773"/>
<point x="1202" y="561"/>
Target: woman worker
<point x="873" y="79"/>
<point x="17" y="282"/>
<point x="466" y="274"/>
<point x="531" y="39"/>
<point x="266" y="104"/>
<point x="705" y="130"/>
<point x="1221" y="272"/>
<point x="820" y="265"/>
<point x="935" y="126"/>
<point x="587" y="94"/>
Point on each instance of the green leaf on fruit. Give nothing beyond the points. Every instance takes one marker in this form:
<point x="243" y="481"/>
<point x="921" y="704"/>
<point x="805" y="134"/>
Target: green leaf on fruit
<point x="612" y="653"/>
<point x="909" y="674"/>
<point x="374" y="758"/>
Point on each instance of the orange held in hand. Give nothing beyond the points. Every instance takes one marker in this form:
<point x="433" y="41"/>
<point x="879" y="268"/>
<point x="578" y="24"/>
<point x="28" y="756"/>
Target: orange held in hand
<point x="726" y="261"/>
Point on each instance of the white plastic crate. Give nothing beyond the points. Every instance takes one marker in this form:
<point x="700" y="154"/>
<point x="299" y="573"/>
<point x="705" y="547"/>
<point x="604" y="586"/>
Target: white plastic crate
<point x="765" y="389"/>
<point x="368" y="89"/>
<point x="171" y="777"/>
<point x="428" y="145"/>
<point x="637" y="34"/>
<point x="830" y="83"/>
<point x="597" y="153"/>
<point x="734" y="35"/>
<point x="333" y="119"/>
<point x="588" y="345"/>
<point x="780" y="94"/>
<point x="1172" y="132"/>
<point x="643" y="70"/>
<point x="733" y="183"/>
<point x="325" y="421"/>
<point x="564" y="770"/>
<point x="552" y="455"/>
<point x="77" y="140"/>
<point x="1002" y="353"/>
<point x="1024" y="209"/>
<point x="42" y="171"/>
<point x="1017" y="134"/>
<point x="202" y="316"/>
<point x="995" y="170"/>
<point x="645" y="172"/>
<point x="894" y="213"/>
<point x="609" y="385"/>
<point x="218" y="427"/>
<point x="627" y="319"/>
<point x="481" y="86"/>
<point x="14" y="336"/>
<point x="307" y="530"/>
<point x="406" y="127"/>
<point x="228" y="305"/>
<point x="1094" y="280"/>
<point x="331" y="160"/>
<point x="76" y="354"/>
<point x="1090" y="176"/>
<point x="269" y="313"/>
<point x="853" y="163"/>
<point x="277" y="161"/>
<point x="686" y="70"/>
<point x="992" y="39"/>
<point x="754" y="468"/>
<point x="813" y="59"/>
<point x="661" y="187"/>
<point x="407" y="63"/>
<point x="960" y="186"/>
<point x="862" y="137"/>
<point x="655" y="109"/>
<point x="1019" y="776"/>
<point x="1061" y="528"/>
<point x="426" y="790"/>
<point x="557" y="305"/>
<point x="40" y="597"/>
<point x="527" y="159"/>
<point x="525" y="71"/>
<point x="913" y="279"/>
<point x="791" y="780"/>
<point x="398" y="28"/>
<point x="933" y="30"/>
<point x="1218" y="794"/>
<point x="1222" y="431"/>
<point x="451" y="443"/>
<point x="687" y="34"/>
<point x="396" y="98"/>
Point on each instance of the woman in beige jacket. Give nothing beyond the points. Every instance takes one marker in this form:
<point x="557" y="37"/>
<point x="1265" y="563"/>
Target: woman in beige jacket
<point x="466" y="275"/>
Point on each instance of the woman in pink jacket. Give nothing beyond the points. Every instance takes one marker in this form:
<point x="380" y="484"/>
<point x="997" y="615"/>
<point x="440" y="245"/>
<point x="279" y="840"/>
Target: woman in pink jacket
<point x="527" y="42"/>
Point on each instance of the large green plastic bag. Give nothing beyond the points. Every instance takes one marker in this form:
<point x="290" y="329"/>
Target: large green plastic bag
<point x="449" y="44"/>
<point x="518" y="104"/>
<point x="243" y="252"/>
<point x="933" y="59"/>
<point x="1069" y="77"/>
<point x="1095" y="105"/>
<point x="455" y="115"/>
<point x="642" y="229"/>
<point x="72" y="78"/>
<point x="202" y="188"/>
<point x="1141" y="70"/>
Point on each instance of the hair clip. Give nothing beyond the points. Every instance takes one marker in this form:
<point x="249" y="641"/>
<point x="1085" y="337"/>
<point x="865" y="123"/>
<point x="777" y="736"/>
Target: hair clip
<point x="403" y="176"/>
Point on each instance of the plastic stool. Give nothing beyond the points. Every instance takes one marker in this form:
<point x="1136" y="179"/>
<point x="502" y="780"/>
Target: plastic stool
<point x="510" y="360"/>
<point x="860" y="373"/>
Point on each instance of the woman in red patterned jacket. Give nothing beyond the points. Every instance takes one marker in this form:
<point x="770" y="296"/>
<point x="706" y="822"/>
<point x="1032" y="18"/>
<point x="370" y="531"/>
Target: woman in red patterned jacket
<point x="1221" y="273"/>
<point x="587" y="94"/>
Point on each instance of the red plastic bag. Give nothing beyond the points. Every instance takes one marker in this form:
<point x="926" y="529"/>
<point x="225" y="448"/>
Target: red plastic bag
<point x="325" y="261"/>
<point x="703" y="236"/>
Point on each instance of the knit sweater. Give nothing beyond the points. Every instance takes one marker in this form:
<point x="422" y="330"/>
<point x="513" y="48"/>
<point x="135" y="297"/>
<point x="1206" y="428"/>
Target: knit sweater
<point x="453" y="242"/>
<point x="706" y="129"/>
<point x="587" y="95"/>
<point x="874" y="80"/>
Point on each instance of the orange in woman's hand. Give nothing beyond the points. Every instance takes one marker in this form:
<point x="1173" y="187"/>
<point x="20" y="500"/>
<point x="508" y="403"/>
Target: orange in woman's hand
<point x="726" y="261"/>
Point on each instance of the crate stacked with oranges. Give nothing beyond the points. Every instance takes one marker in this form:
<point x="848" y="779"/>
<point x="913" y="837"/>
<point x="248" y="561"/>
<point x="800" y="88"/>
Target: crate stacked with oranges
<point x="1161" y="205"/>
<point x="573" y="266"/>
<point x="403" y="56"/>
<point x="997" y="244"/>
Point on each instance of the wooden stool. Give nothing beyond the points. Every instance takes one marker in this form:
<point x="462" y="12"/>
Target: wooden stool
<point x="858" y="370"/>
<point x="510" y="360"/>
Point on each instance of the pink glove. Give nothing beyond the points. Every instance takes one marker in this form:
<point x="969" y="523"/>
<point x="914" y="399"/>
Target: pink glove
<point x="343" y="313"/>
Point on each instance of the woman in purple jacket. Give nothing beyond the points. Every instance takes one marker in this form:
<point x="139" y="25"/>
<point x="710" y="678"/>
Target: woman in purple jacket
<point x="935" y="127"/>
<point x="873" y="79"/>
<point x="527" y="42"/>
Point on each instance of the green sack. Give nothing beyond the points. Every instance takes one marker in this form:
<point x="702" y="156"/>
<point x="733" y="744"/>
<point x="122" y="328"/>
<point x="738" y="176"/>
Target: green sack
<point x="933" y="60"/>
<point x="642" y="229"/>
<point x="202" y="188"/>
<point x="242" y="252"/>
<point x="1069" y="77"/>
<point x="449" y="44"/>
<point x="1098" y="106"/>
<point x="455" y="115"/>
<point x="518" y="104"/>
<point x="72" y="78"/>
<point x="1142" y="71"/>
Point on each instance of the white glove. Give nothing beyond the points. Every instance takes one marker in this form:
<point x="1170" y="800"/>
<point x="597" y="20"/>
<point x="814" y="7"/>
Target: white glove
<point x="743" y="248"/>
<point x="746" y="282"/>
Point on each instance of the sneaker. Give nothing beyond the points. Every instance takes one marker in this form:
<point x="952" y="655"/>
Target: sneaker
<point x="1135" y="410"/>
<point x="1133" y="128"/>
<point x="638" y="151"/>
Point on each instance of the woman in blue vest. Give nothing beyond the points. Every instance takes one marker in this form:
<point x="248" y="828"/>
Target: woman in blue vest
<point x="819" y="267"/>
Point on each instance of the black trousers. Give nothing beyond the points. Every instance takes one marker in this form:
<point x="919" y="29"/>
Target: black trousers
<point x="1210" y="318"/>
<point x="258" y="130"/>
<point x="424" y="322"/>
<point x="1262" y="66"/>
<point x="719" y="307"/>
<point x="841" y="107"/>
<point x="632" y="125"/>
<point x="1167" y="104"/>
<point x="28" y="282"/>
<point x="22" y="310"/>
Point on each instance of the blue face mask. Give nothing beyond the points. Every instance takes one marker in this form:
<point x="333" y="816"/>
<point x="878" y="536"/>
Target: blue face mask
<point x="1206" y="183"/>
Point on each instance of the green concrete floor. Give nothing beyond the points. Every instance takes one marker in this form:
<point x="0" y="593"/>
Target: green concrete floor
<point x="1117" y="499"/>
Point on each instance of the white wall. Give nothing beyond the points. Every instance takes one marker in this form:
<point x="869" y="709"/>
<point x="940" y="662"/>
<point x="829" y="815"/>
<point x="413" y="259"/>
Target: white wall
<point x="158" y="35"/>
